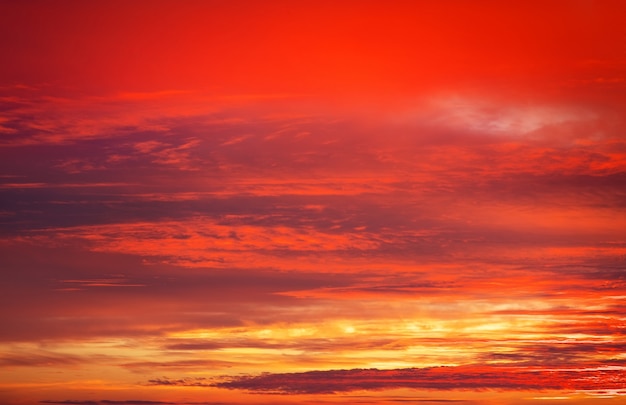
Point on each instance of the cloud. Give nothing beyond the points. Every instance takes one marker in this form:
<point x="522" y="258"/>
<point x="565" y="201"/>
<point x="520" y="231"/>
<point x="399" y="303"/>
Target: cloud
<point x="183" y="382"/>
<point x="480" y="115"/>
<point x="126" y="402"/>
<point x="593" y="352"/>
<point x="436" y="378"/>
<point x="178" y="156"/>
<point x="41" y="359"/>
<point x="145" y="366"/>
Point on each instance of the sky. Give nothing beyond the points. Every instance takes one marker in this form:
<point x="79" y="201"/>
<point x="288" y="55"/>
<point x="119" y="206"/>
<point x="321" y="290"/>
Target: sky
<point x="312" y="202"/>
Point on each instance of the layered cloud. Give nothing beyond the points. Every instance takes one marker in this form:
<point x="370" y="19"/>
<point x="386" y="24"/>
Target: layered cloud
<point x="609" y="379"/>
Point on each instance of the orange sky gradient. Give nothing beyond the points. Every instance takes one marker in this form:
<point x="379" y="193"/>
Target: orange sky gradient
<point x="312" y="202"/>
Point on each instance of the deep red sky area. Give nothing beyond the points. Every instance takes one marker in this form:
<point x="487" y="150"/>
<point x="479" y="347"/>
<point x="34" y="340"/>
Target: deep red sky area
<point x="319" y="47"/>
<point x="304" y="202"/>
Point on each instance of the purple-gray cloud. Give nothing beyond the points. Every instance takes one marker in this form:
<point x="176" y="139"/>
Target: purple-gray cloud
<point x="436" y="378"/>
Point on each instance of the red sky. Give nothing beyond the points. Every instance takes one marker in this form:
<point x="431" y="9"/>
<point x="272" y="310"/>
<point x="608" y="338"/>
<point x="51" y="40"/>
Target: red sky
<point x="299" y="202"/>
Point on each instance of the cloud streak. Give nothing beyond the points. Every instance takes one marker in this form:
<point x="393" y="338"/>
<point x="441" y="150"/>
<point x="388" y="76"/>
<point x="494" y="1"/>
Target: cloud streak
<point x="442" y="378"/>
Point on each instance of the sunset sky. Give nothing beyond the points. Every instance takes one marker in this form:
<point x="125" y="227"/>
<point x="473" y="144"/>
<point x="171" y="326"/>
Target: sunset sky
<point x="312" y="202"/>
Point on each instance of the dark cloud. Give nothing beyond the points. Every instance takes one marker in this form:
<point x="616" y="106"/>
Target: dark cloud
<point x="436" y="378"/>
<point x="596" y="353"/>
<point x="184" y="382"/>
